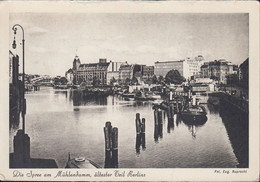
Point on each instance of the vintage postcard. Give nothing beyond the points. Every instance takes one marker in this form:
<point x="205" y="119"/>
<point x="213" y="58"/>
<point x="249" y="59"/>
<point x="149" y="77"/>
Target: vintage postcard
<point x="129" y="91"/>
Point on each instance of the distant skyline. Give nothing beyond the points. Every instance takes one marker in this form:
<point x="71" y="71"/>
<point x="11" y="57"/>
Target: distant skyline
<point x="53" y="39"/>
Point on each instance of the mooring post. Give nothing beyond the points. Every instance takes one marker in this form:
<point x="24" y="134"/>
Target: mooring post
<point x="111" y="146"/>
<point x="177" y="106"/>
<point x="159" y="117"/>
<point x="138" y="123"/>
<point x="156" y="116"/>
<point x="143" y="140"/>
<point x="115" y="147"/>
<point x="143" y="125"/>
<point x="170" y="109"/>
<point x="107" y="132"/>
<point x="137" y="143"/>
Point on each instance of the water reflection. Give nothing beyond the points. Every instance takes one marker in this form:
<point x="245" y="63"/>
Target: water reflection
<point x="178" y="119"/>
<point x="158" y="125"/>
<point x="236" y="124"/>
<point x="79" y="99"/>
<point x="194" y="124"/>
<point x="170" y="126"/>
<point x="210" y="150"/>
<point x="140" y="141"/>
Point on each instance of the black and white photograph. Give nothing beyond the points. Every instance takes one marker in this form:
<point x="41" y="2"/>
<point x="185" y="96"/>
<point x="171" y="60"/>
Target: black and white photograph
<point x="126" y="90"/>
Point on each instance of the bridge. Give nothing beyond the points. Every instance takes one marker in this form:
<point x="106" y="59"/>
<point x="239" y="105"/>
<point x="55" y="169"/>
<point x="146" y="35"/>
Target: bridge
<point x="42" y="81"/>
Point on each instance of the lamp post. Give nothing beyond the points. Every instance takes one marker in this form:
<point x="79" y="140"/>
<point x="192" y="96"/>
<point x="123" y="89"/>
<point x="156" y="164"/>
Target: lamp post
<point x="23" y="85"/>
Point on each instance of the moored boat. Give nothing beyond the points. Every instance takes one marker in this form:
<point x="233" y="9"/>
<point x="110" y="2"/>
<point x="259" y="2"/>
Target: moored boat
<point x="60" y="86"/>
<point x="81" y="162"/>
<point x="195" y="112"/>
<point x="128" y="95"/>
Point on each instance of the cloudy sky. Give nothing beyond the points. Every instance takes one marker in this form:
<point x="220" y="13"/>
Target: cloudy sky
<point x="52" y="40"/>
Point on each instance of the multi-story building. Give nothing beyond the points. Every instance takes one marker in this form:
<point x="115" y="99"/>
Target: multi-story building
<point x="113" y="71"/>
<point x="15" y="89"/>
<point x="13" y="69"/>
<point x="218" y="69"/>
<point x="76" y="64"/>
<point x="162" y="68"/>
<point x="148" y="72"/>
<point x="69" y="76"/>
<point x="93" y="73"/>
<point x="243" y="71"/>
<point x="128" y="71"/>
<point x="204" y="70"/>
<point x="232" y="68"/>
<point x="187" y="67"/>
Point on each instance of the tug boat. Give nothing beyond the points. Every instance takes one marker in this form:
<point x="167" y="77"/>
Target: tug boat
<point x="194" y="113"/>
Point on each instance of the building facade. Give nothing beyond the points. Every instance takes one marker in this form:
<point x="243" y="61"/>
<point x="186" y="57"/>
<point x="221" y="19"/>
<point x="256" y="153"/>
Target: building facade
<point x="187" y="67"/>
<point x="204" y="71"/>
<point x="162" y="68"/>
<point x="75" y="67"/>
<point x="219" y="70"/>
<point x="126" y="71"/>
<point x="93" y="73"/>
<point x="243" y="72"/>
<point x="129" y="71"/>
<point x="148" y="72"/>
<point x="113" y="71"/>
<point x="69" y="76"/>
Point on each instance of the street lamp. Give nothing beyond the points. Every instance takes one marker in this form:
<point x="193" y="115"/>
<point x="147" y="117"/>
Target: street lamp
<point x="23" y="85"/>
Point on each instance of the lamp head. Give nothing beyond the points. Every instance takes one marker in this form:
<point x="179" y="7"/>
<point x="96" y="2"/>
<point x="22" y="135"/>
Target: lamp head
<point x="14" y="44"/>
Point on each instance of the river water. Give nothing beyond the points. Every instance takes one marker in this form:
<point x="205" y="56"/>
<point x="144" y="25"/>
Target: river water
<point x="57" y="122"/>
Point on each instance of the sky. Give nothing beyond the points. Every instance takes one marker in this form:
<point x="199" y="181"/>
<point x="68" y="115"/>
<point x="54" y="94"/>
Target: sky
<point x="53" y="39"/>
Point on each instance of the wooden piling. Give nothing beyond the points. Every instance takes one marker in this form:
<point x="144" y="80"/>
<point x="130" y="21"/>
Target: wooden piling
<point x="115" y="138"/>
<point x="156" y="133"/>
<point x="156" y="116"/>
<point x="159" y="117"/>
<point x="138" y="123"/>
<point x="115" y="147"/>
<point x="170" y="110"/>
<point x="143" y="125"/>
<point x="138" y="143"/>
<point x="107" y="139"/>
<point x="143" y="140"/>
<point x="111" y="146"/>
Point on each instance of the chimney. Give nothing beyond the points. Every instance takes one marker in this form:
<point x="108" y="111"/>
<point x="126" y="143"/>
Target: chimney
<point x="102" y="60"/>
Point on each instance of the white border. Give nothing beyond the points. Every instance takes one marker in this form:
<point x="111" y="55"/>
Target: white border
<point x="174" y="174"/>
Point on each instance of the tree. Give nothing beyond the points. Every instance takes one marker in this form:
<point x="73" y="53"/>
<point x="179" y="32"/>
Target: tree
<point x="154" y="79"/>
<point x="56" y="81"/>
<point x="214" y="78"/>
<point x="232" y="79"/>
<point x="160" y="79"/>
<point x="112" y="81"/>
<point x="173" y="76"/>
<point x="63" y="80"/>
<point x="134" y="80"/>
<point x="127" y="81"/>
<point x="96" y="81"/>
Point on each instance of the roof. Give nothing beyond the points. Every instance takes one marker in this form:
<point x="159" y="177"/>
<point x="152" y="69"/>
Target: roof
<point x="125" y="66"/>
<point x="70" y="71"/>
<point x="244" y="64"/>
<point x="94" y="65"/>
<point x="204" y="66"/>
<point x="169" y="61"/>
<point x="217" y="63"/>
